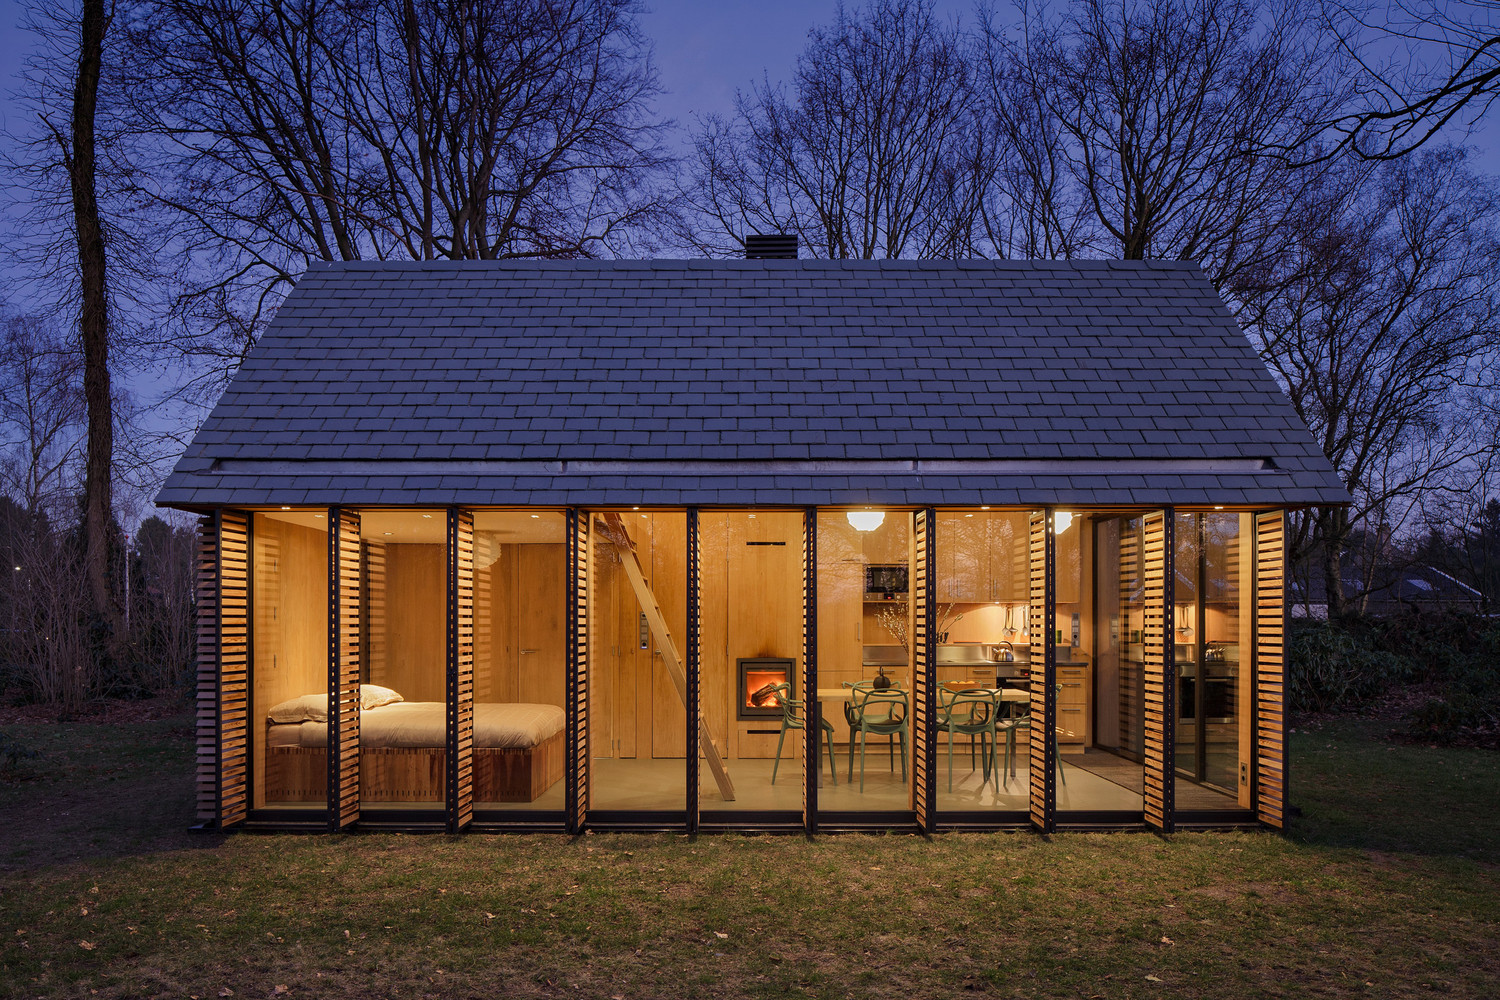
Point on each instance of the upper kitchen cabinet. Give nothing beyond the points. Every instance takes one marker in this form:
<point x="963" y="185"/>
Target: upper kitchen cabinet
<point x="1070" y="557"/>
<point x="889" y="543"/>
<point x="981" y="557"/>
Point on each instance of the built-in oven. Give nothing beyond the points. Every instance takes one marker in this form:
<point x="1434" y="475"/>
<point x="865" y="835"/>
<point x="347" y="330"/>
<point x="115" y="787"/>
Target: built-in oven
<point x="886" y="580"/>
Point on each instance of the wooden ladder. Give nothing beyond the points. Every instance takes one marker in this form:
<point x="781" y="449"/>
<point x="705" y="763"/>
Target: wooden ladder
<point x="665" y="643"/>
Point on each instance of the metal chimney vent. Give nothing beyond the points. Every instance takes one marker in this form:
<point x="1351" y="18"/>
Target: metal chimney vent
<point x="775" y="247"/>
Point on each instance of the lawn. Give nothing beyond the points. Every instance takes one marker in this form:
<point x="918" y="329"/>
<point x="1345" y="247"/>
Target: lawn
<point x="1387" y="887"/>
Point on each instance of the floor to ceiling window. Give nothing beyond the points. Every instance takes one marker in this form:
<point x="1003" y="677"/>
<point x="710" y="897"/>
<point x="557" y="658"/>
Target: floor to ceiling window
<point x="520" y="660"/>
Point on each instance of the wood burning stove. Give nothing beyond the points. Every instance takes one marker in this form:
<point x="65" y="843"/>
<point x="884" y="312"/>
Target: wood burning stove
<point x="759" y="676"/>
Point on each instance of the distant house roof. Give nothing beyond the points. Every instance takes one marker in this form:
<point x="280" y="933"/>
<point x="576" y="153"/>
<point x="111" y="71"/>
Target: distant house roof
<point x="1395" y="588"/>
<point x="752" y="382"/>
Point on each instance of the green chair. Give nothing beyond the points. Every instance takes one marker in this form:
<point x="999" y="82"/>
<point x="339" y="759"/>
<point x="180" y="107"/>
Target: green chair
<point x="970" y="713"/>
<point x="1023" y="722"/>
<point x="876" y="712"/>
<point x="792" y="719"/>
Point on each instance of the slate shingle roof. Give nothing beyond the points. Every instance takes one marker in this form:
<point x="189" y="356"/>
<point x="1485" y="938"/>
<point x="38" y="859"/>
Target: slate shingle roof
<point x="752" y="382"/>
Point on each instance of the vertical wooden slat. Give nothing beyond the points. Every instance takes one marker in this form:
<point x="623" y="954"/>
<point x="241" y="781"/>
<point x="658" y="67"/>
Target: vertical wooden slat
<point x="1160" y="669"/>
<point x="692" y="665"/>
<point x="812" y="735"/>
<point x="1271" y="764"/>
<point x="1042" y="623"/>
<point x="580" y="579"/>
<point x="459" y="796"/>
<point x="206" y="599"/>
<point x="234" y="667"/>
<point x="223" y="595"/>
<point x="344" y="635"/>
<point x="924" y="670"/>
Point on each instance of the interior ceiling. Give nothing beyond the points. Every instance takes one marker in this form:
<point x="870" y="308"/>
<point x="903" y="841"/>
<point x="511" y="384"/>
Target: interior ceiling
<point x="423" y="527"/>
<point x="520" y="527"/>
<point x="306" y="518"/>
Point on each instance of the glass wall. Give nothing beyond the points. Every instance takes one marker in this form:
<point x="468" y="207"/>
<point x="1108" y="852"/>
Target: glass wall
<point x="289" y="687"/>
<point x="1212" y="619"/>
<point x="1106" y="773"/>
<point x="403" y="651"/>
<point x="637" y="716"/>
<point x="865" y="660"/>
<point x="520" y="660"/>
<point x="751" y="650"/>
<point x="983" y="661"/>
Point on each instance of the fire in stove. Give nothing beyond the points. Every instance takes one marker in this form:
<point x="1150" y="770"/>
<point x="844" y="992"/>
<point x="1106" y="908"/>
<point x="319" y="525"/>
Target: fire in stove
<point x="759" y="678"/>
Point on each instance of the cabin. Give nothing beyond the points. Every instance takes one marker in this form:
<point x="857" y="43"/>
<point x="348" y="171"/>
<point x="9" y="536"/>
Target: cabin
<point x="765" y="544"/>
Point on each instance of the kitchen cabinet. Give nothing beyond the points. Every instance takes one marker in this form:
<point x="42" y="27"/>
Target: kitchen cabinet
<point x="1073" y="716"/>
<point x="982" y="557"/>
<point x="889" y="543"/>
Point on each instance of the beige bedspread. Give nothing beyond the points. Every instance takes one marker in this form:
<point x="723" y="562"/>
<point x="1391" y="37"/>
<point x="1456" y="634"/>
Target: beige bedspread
<point x="425" y="724"/>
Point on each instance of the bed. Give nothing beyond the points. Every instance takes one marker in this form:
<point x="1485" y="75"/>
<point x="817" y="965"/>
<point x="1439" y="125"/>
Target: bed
<point x="518" y="750"/>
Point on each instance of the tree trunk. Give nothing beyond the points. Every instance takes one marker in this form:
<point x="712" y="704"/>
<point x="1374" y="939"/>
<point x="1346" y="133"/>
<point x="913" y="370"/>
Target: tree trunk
<point x="94" y="320"/>
<point x="1335" y="525"/>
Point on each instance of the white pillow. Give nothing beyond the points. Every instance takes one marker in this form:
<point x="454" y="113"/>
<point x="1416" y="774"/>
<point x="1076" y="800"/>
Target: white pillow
<point x="308" y="708"/>
<point x="373" y="696"/>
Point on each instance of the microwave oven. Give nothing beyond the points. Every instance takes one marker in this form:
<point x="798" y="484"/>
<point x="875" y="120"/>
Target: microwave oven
<point x="886" y="579"/>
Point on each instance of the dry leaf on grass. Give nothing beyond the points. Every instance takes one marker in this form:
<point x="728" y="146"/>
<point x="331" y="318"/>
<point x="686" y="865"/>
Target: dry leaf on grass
<point x="86" y="945"/>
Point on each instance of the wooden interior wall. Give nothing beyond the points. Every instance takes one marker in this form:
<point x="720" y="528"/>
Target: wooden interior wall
<point x="668" y="581"/>
<point x="415" y="617"/>
<point x="581" y="664"/>
<point x="1270" y="668"/>
<point x="924" y="669"/>
<point x="637" y="711"/>
<point x="763" y="608"/>
<point x="1159" y="669"/>
<point x="1042" y="594"/>
<point x="344" y="664"/>
<point x="373" y="621"/>
<point x="290" y="616"/>
<point x="458" y="797"/>
<point x="521" y="606"/>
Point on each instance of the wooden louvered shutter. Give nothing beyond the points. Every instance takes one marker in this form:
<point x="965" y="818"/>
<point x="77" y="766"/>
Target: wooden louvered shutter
<point x="924" y="670"/>
<point x="460" y="757"/>
<point x="344" y="610"/>
<point x="223" y="596"/>
<point x="1042" y="622"/>
<point x="692" y="666"/>
<point x="576" y="771"/>
<point x="812" y="737"/>
<point x="1159" y="655"/>
<point x="1271" y="771"/>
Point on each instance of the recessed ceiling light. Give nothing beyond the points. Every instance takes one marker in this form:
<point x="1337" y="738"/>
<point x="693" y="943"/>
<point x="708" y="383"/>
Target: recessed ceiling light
<point x="428" y="516"/>
<point x="390" y="532"/>
<point x="1219" y="508"/>
<point x="535" y="517"/>
<point x="317" y="515"/>
<point x="752" y="516"/>
<point x="968" y="515"/>
<point x="984" y="508"/>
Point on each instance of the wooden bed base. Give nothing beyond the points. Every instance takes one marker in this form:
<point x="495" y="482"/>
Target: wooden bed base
<point x="416" y="774"/>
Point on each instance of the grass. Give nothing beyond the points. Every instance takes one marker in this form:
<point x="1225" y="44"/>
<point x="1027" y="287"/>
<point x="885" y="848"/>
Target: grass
<point x="1387" y="887"/>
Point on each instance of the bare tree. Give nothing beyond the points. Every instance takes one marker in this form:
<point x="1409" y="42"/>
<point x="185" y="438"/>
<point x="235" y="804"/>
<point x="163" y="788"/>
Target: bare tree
<point x="353" y="129"/>
<point x="1156" y="115"/>
<point x="1417" y="68"/>
<point x="1380" y="315"/>
<point x="874" y="150"/>
<point x="41" y="412"/>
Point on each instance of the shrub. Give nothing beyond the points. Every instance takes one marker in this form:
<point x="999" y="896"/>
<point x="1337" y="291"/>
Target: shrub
<point x="1333" y="666"/>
